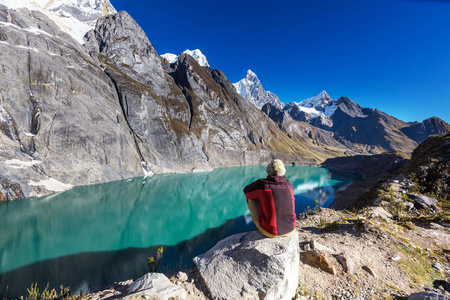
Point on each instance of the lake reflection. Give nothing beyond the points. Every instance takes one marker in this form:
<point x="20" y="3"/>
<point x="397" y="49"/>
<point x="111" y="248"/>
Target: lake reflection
<point x="94" y="235"/>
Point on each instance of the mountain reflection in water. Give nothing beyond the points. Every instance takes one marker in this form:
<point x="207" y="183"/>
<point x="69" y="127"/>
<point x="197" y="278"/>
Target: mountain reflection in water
<point x="94" y="235"/>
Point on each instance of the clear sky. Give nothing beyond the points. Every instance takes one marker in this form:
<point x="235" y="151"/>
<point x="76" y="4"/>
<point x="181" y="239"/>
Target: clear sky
<point x="393" y="55"/>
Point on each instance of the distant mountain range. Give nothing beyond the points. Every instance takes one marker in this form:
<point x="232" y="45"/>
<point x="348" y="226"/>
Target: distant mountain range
<point x="363" y="130"/>
<point x="106" y="106"/>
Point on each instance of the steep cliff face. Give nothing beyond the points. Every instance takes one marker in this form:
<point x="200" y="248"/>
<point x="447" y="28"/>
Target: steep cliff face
<point x="154" y="107"/>
<point x="60" y="119"/>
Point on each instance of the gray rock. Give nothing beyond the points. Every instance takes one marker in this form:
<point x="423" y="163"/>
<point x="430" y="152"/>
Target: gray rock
<point x="346" y="262"/>
<point x="438" y="267"/>
<point x="319" y="259"/>
<point x="379" y="212"/>
<point x="182" y="276"/>
<point x="370" y="270"/>
<point x="428" y="296"/>
<point x="317" y="246"/>
<point x="156" y="284"/>
<point x="251" y="266"/>
<point x="421" y="201"/>
<point x="408" y="205"/>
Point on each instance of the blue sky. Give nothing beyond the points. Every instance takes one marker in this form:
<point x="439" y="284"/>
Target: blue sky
<point x="393" y="55"/>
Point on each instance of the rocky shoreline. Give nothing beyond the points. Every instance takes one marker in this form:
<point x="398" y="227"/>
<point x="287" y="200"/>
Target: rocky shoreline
<point x="385" y="260"/>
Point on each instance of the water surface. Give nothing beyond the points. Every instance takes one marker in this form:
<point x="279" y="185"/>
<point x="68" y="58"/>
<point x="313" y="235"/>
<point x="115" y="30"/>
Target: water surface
<point x="93" y="235"/>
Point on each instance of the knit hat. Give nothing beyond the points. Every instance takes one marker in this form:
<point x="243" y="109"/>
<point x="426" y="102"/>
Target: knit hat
<point x="276" y="168"/>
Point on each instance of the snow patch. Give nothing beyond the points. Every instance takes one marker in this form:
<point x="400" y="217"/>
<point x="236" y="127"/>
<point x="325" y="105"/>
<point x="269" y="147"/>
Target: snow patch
<point x="20" y="164"/>
<point x="147" y="172"/>
<point x="52" y="184"/>
<point x="28" y="134"/>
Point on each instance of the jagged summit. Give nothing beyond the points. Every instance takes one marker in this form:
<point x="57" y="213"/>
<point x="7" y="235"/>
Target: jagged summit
<point x="75" y="17"/>
<point x="196" y="54"/>
<point x="250" y="74"/>
<point x="322" y="103"/>
<point x="321" y="100"/>
<point x="252" y="90"/>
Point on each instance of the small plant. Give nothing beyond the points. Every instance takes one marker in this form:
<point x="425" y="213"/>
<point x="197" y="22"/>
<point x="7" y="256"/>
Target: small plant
<point x="386" y="195"/>
<point x="317" y="207"/>
<point x="330" y="227"/>
<point x="33" y="292"/>
<point x="47" y="294"/>
<point x="153" y="264"/>
<point x="323" y="222"/>
<point x="406" y="198"/>
<point x="396" y="208"/>
<point x="319" y="295"/>
<point x="409" y="225"/>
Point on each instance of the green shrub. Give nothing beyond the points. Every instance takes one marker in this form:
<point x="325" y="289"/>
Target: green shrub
<point x="153" y="264"/>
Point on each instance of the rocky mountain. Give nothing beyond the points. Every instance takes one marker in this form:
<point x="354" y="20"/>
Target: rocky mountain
<point x="420" y="131"/>
<point x="252" y="90"/>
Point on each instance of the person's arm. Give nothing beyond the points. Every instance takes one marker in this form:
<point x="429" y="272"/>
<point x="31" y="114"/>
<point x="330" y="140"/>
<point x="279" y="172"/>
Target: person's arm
<point x="252" y="190"/>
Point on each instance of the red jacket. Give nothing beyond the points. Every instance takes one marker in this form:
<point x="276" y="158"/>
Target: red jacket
<point x="276" y="203"/>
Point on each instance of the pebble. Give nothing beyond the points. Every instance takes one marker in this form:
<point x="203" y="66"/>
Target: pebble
<point x="438" y="267"/>
<point x="182" y="276"/>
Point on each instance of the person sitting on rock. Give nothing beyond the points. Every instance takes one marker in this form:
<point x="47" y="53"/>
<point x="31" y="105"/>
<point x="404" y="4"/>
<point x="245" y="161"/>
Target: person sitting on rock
<point x="271" y="202"/>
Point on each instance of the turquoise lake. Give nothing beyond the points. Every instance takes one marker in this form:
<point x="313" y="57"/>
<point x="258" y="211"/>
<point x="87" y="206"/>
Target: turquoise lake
<point x="93" y="235"/>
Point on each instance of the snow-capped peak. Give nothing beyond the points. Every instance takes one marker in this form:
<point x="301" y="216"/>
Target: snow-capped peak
<point x="251" y="89"/>
<point x="75" y="17"/>
<point x="320" y="100"/>
<point x="322" y="104"/>
<point x="250" y="75"/>
<point x="172" y="58"/>
<point x="196" y="54"/>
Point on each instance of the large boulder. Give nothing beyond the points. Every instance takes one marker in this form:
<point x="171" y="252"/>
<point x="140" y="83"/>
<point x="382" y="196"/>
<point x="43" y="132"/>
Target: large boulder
<point x="251" y="266"/>
<point x="421" y="201"/>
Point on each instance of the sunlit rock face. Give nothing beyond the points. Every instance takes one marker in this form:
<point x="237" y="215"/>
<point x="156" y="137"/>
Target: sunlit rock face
<point x="61" y="122"/>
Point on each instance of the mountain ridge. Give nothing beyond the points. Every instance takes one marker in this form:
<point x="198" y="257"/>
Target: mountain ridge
<point x="362" y="130"/>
